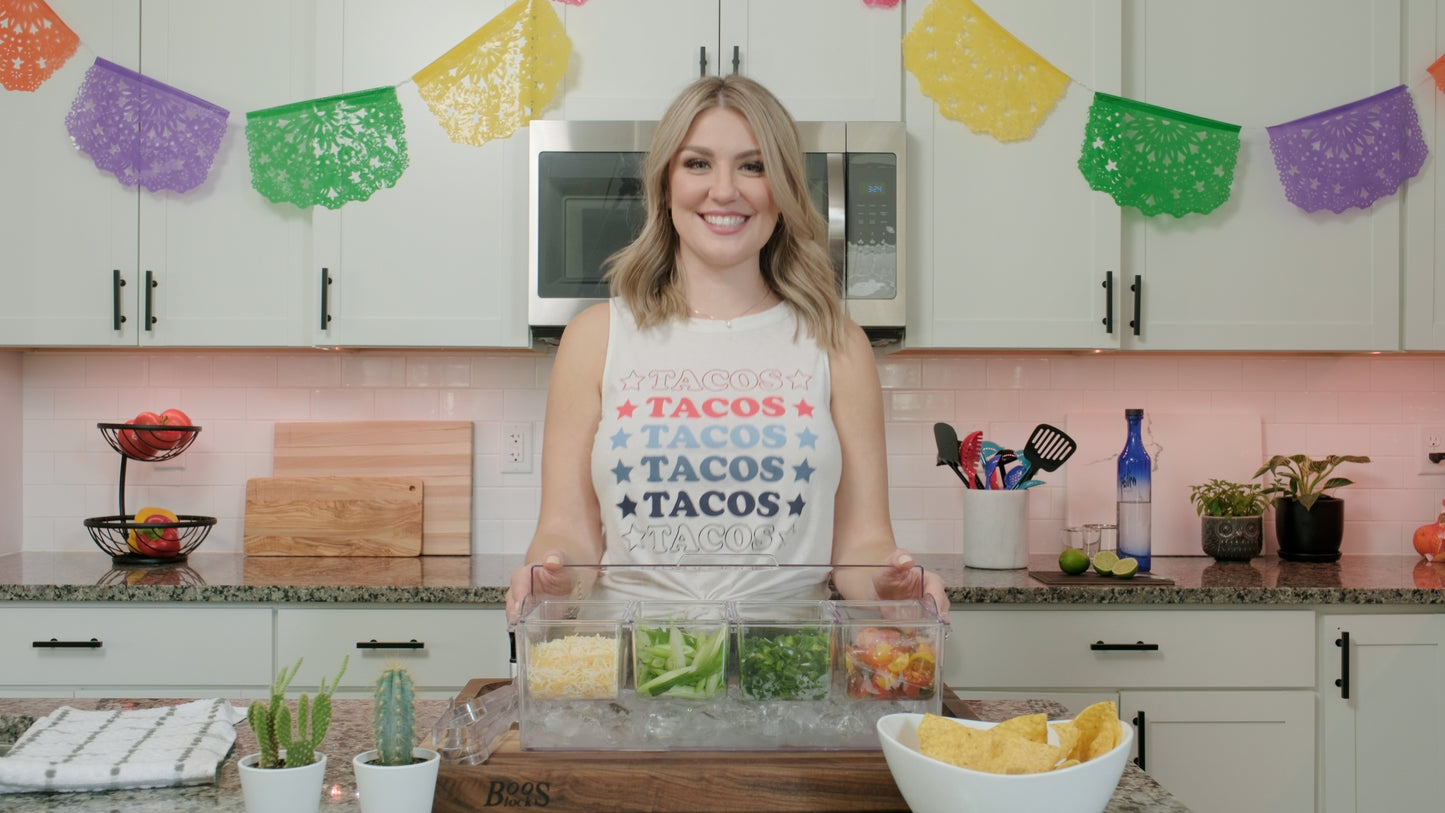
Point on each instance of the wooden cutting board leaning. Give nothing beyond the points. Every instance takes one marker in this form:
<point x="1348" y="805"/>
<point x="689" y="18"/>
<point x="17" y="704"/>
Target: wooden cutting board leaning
<point x="333" y="516"/>
<point x="438" y="452"/>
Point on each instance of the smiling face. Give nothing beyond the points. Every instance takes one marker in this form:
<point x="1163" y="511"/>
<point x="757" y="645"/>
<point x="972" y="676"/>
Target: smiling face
<point x="721" y="204"/>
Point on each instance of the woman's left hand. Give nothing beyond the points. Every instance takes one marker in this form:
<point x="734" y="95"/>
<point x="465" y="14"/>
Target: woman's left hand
<point x="901" y="580"/>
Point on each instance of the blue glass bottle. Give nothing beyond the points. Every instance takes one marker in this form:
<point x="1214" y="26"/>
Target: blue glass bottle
<point x="1134" y="488"/>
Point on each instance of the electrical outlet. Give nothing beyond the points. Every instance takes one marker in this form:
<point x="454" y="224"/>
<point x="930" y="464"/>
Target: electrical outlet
<point x="1431" y="440"/>
<point x="516" y="448"/>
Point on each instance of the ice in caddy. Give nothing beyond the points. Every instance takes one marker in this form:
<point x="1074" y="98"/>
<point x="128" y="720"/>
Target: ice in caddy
<point x="721" y="674"/>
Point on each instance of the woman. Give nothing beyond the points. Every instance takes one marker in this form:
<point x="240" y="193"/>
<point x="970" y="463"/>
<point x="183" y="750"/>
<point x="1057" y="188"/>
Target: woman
<point x="721" y="403"/>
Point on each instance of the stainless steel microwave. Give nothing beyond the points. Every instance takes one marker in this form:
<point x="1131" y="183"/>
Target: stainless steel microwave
<point x="586" y="202"/>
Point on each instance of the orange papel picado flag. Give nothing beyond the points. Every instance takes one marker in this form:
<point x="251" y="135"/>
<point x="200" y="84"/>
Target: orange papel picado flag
<point x="980" y="74"/>
<point x="34" y="43"/>
<point x="499" y="78"/>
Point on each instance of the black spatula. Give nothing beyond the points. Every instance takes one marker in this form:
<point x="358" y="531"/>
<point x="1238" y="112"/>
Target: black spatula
<point x="1047" y="449"/>
<point x="947" y="439"/>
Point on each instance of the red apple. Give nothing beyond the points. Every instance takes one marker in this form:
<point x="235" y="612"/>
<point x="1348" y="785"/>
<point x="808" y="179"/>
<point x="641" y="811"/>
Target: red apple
<point x="131" y="442"/>
<point x="148" y="440"/>
<point x="171" y="417"/>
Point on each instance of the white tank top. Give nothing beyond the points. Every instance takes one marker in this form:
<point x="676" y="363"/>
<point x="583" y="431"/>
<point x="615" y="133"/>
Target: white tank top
<point x="715" y="440"/>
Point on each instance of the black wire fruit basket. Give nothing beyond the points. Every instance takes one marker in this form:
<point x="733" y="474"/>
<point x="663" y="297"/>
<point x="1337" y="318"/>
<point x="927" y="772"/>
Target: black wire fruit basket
<point x="137" y="543"/>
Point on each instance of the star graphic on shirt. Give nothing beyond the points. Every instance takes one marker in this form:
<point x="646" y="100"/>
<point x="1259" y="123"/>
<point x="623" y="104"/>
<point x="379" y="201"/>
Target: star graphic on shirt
<point x="800" y="380"/>
<point x="628" y="506"/>
<point x="632" y="537"/>
<point x="626" y="410"/>
<point x="624" y="473"/>
<point x="795" y="505"/>
<point x="632" y="381"/>
<point x="780" y="536"/>
<point x="807" y="440"/>
<point x="619" y="440"/>
<point x="803" y="472"/>
<point x="1098" y="143"/>
<point x="804" y="408"/>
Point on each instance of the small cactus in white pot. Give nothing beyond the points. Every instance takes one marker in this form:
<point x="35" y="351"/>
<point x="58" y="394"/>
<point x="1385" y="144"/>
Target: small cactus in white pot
<point x="396" y="776"/>
<point x="286" y="775"/>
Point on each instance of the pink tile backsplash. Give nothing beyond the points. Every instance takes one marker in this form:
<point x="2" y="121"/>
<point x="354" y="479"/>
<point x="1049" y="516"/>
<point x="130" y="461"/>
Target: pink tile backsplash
<point x="1313" y="404"/>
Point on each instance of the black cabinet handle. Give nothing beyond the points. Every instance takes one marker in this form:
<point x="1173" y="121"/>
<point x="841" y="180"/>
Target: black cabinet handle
<point x="1138" y="289"/>
<point x="736" y="61"/>
<point x="116" y="283"/>
<point x="1139" y="733"/>
<point x="325" y="299"/>
<point x="375" y="644"/>
<point x="1343" y="642"/>
<point x="1108" y="285"/>
<point x="54" y="644"/>
<point x="702" y="61"/>
<point x="1137" y="646"/>
<point x="150" y="286"/>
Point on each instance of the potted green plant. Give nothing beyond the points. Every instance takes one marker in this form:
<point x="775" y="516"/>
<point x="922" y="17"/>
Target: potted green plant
<point x="1231" y="518"/>
<point x="1308" y="523"/>
<point x="287" y="775"/>
<point x="397" y="776"/>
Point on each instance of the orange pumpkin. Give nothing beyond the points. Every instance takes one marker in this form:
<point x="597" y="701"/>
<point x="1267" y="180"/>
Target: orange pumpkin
<point x="1430" y="539"/>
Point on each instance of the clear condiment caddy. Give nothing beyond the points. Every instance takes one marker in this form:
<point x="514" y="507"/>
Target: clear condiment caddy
<point x="725" y="674"/>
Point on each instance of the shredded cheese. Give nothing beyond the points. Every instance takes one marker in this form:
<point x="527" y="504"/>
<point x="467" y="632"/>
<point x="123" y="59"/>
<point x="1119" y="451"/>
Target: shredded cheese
<point x="575" y="667"/>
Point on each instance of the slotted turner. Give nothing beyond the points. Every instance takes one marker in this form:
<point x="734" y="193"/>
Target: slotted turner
<point x="1047" y="449"/>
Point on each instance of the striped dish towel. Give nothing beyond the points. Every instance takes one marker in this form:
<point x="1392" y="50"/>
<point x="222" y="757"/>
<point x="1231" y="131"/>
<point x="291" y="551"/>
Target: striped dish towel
<point x="74" y="750"/>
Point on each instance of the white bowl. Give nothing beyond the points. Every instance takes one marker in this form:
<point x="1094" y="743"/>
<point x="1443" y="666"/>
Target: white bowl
<point x="929" y="785"/>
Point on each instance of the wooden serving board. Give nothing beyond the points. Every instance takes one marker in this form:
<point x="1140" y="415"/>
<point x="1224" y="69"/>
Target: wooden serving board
<point x="438" y="452"/>
<point x="669" y="781"/>
<point x="1091" y="579"/>
<point x="333" y="516"/>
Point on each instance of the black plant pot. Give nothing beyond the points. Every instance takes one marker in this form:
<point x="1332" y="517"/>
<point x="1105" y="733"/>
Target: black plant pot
<point x="1311" y="535"/>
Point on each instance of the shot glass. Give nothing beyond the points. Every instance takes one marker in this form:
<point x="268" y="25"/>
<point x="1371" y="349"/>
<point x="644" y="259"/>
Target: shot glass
<point x="1108" y="537"/>
<point x="1091" y="539"/>
<point x="1071" y="537"/>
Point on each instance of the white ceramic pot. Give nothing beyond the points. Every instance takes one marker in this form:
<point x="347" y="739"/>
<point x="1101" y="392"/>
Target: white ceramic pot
<point x="282" y="790"/>
<point x="995" y="529"/>
<point x="396" y="788"/>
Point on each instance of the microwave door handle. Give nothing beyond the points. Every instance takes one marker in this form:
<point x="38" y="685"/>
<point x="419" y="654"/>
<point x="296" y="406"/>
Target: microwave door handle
<point x="837" y="217"/>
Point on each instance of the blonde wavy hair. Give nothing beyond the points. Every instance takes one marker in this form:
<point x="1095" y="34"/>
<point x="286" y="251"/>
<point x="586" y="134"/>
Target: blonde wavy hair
<point x="795" y="262"/>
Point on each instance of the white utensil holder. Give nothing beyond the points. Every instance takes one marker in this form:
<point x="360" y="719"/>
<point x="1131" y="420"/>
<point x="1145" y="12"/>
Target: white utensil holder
<point x="995" y="529"/>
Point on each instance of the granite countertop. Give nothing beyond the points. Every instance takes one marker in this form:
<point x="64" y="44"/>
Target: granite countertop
<point x="482" y="580"/>
<point x="350" y="734"/>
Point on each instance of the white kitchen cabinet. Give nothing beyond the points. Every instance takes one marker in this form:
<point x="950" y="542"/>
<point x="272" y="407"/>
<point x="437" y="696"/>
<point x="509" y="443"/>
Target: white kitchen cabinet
<point x="1260" y="273"/>
<point x="826" y="60"/>
<point x="1228" y="751"/>
<point x="1008" y="246"/>
<point x="1382" y="711"/>
<point x="226" y="263"/>
<point x="442" y="648"/>
<point x="1225" y="692"/>
<point x="440" y="259"/>
<point x="1012" y="247"/>
<point x="108" y="650"/>
<point x="1424" y="284"/>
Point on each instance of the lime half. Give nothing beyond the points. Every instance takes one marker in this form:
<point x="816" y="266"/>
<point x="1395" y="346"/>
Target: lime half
<point x="1126" y="568"/>
<point x="1073" y="561"/>
<point x="1104" y="562"/>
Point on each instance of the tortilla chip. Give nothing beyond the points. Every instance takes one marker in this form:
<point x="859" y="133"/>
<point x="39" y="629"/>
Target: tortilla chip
<point x="952" y="742"/>
<point x="1032" y="727"/>
<point x="1068" y="739"/>
<point x="1015" y="755"/>
<point x="1100" y="718"/>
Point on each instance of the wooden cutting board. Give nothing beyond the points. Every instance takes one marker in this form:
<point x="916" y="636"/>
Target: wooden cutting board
<point x="333" y="516"/>
<point x="439" y="452"/>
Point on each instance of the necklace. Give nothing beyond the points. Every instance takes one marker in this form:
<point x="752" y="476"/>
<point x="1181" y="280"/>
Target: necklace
<point x="728" y="322"/>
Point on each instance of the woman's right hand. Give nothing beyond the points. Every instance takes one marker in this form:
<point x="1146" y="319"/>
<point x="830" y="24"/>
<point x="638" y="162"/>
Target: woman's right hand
<point x="551" y="580"/>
